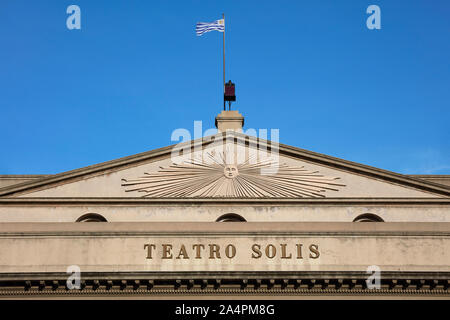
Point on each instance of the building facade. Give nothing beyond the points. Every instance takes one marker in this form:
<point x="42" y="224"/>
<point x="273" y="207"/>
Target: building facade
<point x="228" y="215"/>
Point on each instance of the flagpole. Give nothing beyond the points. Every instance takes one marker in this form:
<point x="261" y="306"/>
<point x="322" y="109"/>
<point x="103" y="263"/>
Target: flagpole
<point x="223" y="17"/>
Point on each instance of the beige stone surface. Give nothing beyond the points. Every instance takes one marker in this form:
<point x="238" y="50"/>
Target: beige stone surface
<point x="114" y="247"/>
<point x="441" y="179"/>
<point x="229" y="120"/>
<point x="12" y="179"/>
<point x="147" y="211"/>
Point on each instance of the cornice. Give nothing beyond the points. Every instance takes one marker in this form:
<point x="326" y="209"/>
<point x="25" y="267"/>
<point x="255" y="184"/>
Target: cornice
<point x="224" y="201"/>
<point x="229" y="229"/>
<point x="277" y="284"/>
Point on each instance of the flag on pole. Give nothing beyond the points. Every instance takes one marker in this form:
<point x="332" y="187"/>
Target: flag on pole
<point x="202" y="27"/>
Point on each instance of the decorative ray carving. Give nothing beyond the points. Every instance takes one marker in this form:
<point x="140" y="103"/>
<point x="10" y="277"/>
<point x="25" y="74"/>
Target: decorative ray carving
<point x="198" y="179"/>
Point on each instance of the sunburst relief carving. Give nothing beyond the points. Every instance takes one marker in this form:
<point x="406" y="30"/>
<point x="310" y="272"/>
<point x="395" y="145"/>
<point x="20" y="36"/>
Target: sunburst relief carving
<point x="195" y="178"/>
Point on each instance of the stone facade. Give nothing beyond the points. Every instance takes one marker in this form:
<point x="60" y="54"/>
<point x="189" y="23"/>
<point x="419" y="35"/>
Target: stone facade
<point x="159" y="231"/>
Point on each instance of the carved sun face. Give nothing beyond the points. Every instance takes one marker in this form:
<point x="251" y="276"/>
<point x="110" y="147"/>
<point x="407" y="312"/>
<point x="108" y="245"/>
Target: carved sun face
<point x="230" y="171"/>
<point x="196" y="178"/>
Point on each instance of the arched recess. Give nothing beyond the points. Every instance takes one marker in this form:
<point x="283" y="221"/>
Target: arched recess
<point x="368" y="217"/>
<point x="231" y="217"/>
<point x="91" y="217"/>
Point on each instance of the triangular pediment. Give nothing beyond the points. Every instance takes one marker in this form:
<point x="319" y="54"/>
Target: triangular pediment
<point x="230" y="165"/>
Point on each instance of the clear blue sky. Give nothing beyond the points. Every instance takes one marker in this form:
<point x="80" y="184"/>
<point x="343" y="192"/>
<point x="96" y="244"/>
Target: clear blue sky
<point x="136" y="71"/>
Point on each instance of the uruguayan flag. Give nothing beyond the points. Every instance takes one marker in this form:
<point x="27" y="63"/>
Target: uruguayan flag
<point x="203" y="27"/>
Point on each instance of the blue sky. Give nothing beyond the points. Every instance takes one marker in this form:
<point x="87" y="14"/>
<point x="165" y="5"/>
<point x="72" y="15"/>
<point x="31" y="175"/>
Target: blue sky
<point x="136" y="71"/>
